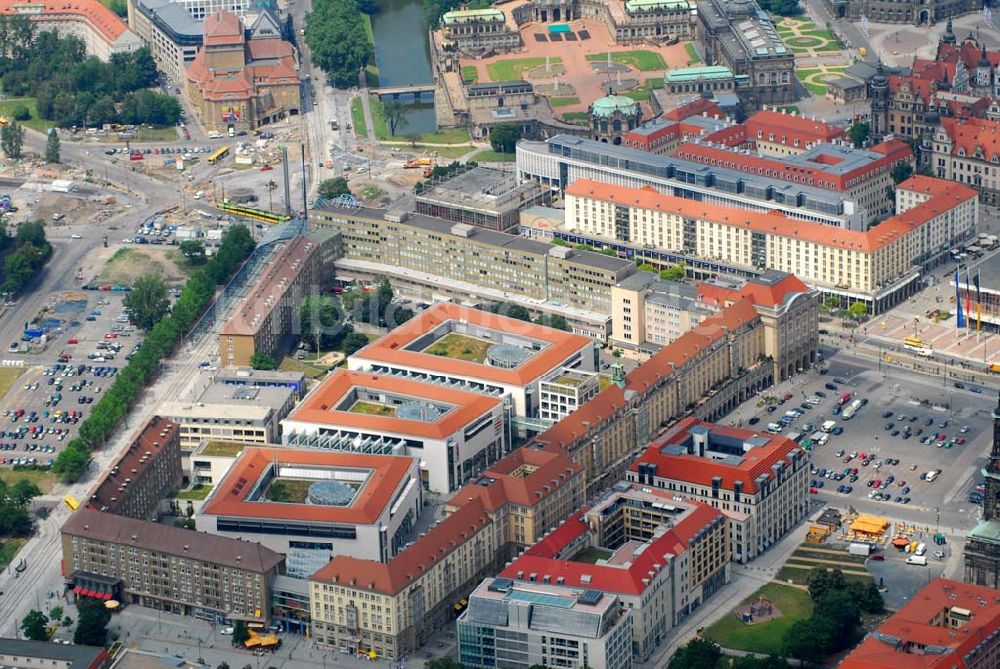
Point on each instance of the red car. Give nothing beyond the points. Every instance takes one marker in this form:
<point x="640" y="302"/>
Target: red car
<point x="111" y="335"/>
<point x="879" y="557"/>
<point x="787" y="397"/>
<point x="73" y="341"/>
<point x="266" y="168"/>
<point x="960" y="441"/>
<point x="813" y="491"/>
<point x="942" y="437"/>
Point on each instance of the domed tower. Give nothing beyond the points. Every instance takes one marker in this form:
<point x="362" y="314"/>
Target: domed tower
<point x="880" y="103"/>
<point x="983" y="72"/>
<point x="949" y="35"/>
<point x="612" y="116"/>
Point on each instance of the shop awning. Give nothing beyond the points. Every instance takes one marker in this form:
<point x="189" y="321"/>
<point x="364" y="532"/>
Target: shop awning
<point x="77" y="590"/>
<point x="104" y="595"/>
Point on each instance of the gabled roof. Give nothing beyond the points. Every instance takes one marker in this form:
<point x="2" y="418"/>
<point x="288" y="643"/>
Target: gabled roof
<point x="970" y="134"/>
<point x="693" y="468"/>
<point x="915" y="638"/>
<point x="787" y="128"/>
<point x="99" y="17"/>
<point x="505" y="483"/>
<point x="697" y="107"/>
<point x="441" y="540"/>
<point x="223" y="28"/>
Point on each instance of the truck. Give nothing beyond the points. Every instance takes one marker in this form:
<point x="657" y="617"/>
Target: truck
<point x="921" y="549"/>
<point x="818" y="437"/>
<point x="859" y="549"/>
<point x="828" y="425"/>
<point x="851" y="409"/>
<point x="918" y="560"/>
<point x="844" y="399"/>
<point x="419" y="162"/>
<point x="774" y="427"/>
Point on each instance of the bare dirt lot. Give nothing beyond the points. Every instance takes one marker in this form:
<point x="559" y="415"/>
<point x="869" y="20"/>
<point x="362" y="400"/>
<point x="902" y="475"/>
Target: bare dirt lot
<point x="125" y="265"/>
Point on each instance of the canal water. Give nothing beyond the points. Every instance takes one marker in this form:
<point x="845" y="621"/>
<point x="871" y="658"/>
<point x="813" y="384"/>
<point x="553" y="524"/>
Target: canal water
<point x="403" y="55"/>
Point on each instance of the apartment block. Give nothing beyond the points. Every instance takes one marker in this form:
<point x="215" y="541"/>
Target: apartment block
<point x="171" y="569"/>
<point x="433" y="259"/>
<point x="561" y="392"/>
<point x="514" y="624"/>
<point x="663" y="555"/>
<point x="148" y="470"/>
<point x="759" y="480"/>
<point x="266" y="320"/>
<point x="878" y="267"/>
<point x="649" y="313"/>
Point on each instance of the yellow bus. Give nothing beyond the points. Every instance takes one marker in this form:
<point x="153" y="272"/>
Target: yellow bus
<point x="218" y="155"/>
<point x="71" y="502"/>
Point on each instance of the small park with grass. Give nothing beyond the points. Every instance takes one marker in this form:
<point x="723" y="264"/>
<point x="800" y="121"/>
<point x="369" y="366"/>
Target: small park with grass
<point x="814" y="79"/>
<point x="517" y="68"/>
<point x="792" y="603"/>
<point x="644" y="61"/>
<point x="803" y="37"/>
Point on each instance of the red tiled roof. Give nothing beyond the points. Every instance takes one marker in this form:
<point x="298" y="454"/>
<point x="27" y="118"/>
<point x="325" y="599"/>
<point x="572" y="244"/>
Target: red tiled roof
<point x="320" y="405"/>
<point x="259" y="49"/>
<point x="457" y="528"/>
<point x="99" y="17"/>
<point x="772" y="222"/>
<point x="967" y="52"/>
<point x="701" y="470"/>
<point x="156" y="434"/>
<point x="392" y="347"/>
<point x="543" y="559"/>
<point x="973" y="133"/>
<point x="921" y="88"/>
<point x="553" y="468"/>
<point x="696" y="107"/>
<point x="790" y="127"/>
<point x="230" y="495"/>
<point x="914" y="626"/>
<point x="223" y="28"/>
<point x="772" y="295"/>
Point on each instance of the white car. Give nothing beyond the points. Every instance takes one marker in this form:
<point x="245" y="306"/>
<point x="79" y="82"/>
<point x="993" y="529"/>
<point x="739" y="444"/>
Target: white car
<point x="76" y="237"/>
<point x="939" y="555"/>
<point x="226" y="631"/>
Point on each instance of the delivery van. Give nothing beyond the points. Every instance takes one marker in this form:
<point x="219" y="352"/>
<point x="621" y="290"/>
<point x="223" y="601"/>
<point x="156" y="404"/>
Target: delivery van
<point x="918" y="560"/>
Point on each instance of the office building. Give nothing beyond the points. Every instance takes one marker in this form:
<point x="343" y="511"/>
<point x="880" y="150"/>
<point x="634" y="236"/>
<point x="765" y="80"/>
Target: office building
<point x="453" y="433"/>
<point x="483" y="197"/>
<point x="648" y="312"/>
<point x="431" y="259"/>
<point x="759" y="480"/>
<point x="310" y="505"/>
<point x="563" y="391"/>
<point x="266" y="320"/>
<point x="879" y="267"/>
<point x="167" y="568"/>
<point x="945" y="624"/>
<point x="147" y="472"/>
<point x="248" y="377"/>
<point x="101" y="31"/>
<point x="172" y="34"/>
<point x="514" y="624"/>
<point x="223" y="412"/>
<point x="738" y="35"/>
<point x="25" y="654"/>
<point x="240" y="83"/>
<point x="661" y="554"/>
<point x="477" y="351"/>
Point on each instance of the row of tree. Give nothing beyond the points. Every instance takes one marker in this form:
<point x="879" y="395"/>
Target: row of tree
<point x="73" y="89"/>
<point x="521" y="313"/>
<point x="338" y="39"/>
<point x="14" y="500"/>
<point x="704" y="654"/>
<point x="149" y="305"/>
<point x="24" y="255"/>
<point x="91" y="627"/>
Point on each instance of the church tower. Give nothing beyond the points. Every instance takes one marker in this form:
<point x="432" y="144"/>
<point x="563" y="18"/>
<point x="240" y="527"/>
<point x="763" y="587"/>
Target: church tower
<point x="982" y="550"/>
<point x="880" y="104"/>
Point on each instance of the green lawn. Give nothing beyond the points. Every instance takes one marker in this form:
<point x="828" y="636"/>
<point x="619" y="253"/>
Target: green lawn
<point x="290" y="491"/>
<point x="222" y="448"/>
<point x="563" y="102"/>
<point x="378" y="118"/>
<point x="372" y="409"/>
<point x="576" y="118"/>
<point x="35" y="123"/>
<point x="644" y="61"/>
<point x="8" y="549"/>
<point x="8" y="376"/>
<point x="371" y="75"/>
<point x="42" y="478"/>
<point x="798" y="573"/>
<point x="460" y="347"/>
<point x="693" y="57"/>
<point x="446" y="136"/>
<point x="645" y="91"/>
<point x="731" y="632"/>
<point x="291" y="365"/>
<point x="490" y="156"/>
<point x="451" y="152"/>
<point x="470" y="74"/>
<point x="358" y="118"/>
<point x="507" y="70"/>
<point x="197" y="492"/>
<point x="592" y="554"/>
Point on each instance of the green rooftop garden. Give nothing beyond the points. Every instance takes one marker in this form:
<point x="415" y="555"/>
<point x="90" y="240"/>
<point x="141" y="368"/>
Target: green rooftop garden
<point x="372" y="408"/>
<point x="222" y="448"/>
<point x="460" y="347"/>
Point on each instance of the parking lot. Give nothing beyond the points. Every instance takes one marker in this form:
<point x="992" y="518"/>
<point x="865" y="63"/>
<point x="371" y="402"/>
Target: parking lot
<point x="909" y="430"/>
<point x="42" y="411"/>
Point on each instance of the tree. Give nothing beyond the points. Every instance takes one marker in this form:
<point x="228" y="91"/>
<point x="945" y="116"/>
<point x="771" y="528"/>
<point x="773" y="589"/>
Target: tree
<point x="831" y="302"/>
<point x="511" y="310"/>
<point x="822" y="580"/>
<point x="354" y="342"/>
<point x="443" y="663"/>
<point x="413" y="138"/>
<point x="335" y="33"/>
<point x="92" y="625"/>
<point x="224" y="664"/>
<point x="22" y="492"/>
<point x="320" y="319"/>
<point x="674" y="273"/>
<point x="553" y="321"/>
<point x="12" y="140"/>
<point x="56" y="614"/>
<point x="697" y="654"/>
<point x="34" y="626"/>
<point x="867" y="596"/>
<point x="331" y="188"/>
<point x="193" y="251"/>
<point x="394" y="112"/>
<point x="857" y="310"/>
<point x="52" y="147"/>
<point x="240" y="633"/>
<point x="20" y="113"/>
<point x="858" y="133"/>
<point x="806" y="640"/>
<point x="503" y="137"/>
<point x="841" y="614"/>
<point x="262" y="361"/>
<point x="148" y="301"/>
<point x="72" y="462"/>
<point x="901" y="171"/>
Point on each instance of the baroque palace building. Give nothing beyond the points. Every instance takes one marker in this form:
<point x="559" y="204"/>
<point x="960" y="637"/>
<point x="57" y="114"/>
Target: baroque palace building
<point x="917" y="12"/>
